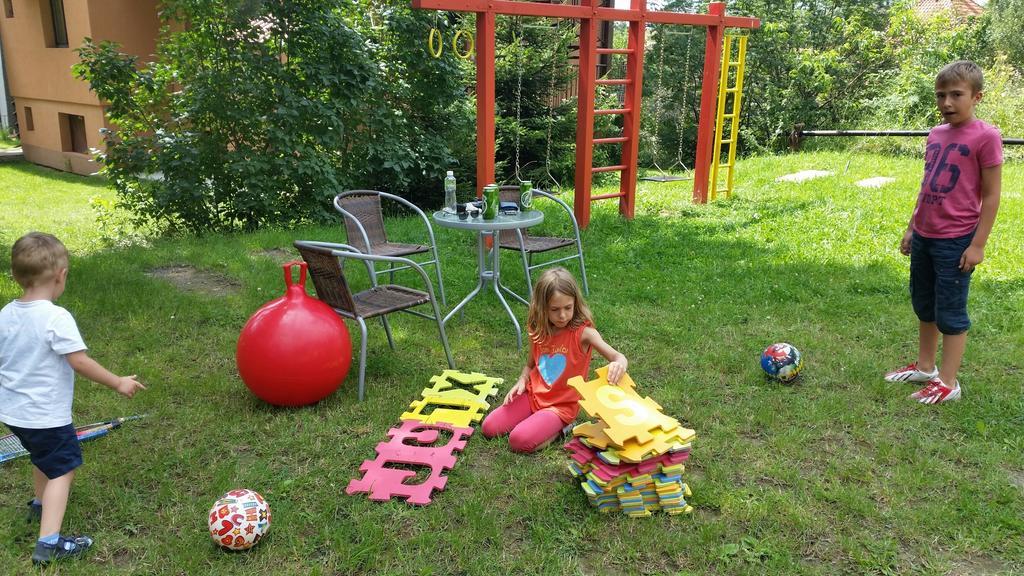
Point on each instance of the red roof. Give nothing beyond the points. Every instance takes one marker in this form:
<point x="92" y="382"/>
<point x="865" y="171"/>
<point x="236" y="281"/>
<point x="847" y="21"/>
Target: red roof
<point x="957" y="7"/>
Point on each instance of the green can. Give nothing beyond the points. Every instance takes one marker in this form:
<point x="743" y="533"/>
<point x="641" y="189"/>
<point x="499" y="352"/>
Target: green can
<point x="526" y="194"/>
<point x="491" y="201"/>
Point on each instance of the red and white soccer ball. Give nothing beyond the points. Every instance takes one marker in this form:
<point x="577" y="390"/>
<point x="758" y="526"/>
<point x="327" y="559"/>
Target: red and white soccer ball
<point x="239" y="519"/>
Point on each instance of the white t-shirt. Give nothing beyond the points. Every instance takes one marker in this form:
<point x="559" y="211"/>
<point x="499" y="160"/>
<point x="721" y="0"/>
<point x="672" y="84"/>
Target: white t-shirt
<point x="36" y="382"/>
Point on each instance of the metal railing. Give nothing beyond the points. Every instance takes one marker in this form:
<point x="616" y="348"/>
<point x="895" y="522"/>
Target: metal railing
<point x="799" y="133"/>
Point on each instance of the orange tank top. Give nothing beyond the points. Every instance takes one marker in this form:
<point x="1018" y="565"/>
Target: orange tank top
<point x="556" y="360"/>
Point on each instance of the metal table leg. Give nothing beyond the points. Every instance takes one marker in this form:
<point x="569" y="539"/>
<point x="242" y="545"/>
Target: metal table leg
<point x="491" y="274"/>
<point x="480" y="279"/>
<point x="496" y="276"/>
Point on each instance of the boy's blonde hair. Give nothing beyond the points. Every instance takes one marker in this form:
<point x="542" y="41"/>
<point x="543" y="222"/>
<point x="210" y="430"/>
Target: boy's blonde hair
<point x="552" y="281"/>
<point x="961" y="71"/>
<point x="37" y="257"/>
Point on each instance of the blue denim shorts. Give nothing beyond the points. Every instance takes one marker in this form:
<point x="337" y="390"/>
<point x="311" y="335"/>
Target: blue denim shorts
<point x="55" y="451"/>
<point x="938" y="288"/>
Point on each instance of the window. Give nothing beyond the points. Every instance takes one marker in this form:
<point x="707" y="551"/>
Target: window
<point x="9" y="8"/>
<point x="55" y="28"/>
<point x="72" y="134"/>
<point x="60" y="27"/>
<point x="30" y="125"/>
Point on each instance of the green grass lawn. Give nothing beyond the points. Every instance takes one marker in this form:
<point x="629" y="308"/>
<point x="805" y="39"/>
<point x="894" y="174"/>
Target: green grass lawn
<point x="838" y="474"/>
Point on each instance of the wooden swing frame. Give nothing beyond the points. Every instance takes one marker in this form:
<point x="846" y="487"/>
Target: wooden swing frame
<point x="590" y="16"/>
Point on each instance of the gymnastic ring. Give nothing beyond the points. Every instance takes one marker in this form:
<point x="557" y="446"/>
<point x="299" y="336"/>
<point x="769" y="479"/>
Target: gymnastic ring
<point x="435" y="43"/>
<point x="469" y="44"/>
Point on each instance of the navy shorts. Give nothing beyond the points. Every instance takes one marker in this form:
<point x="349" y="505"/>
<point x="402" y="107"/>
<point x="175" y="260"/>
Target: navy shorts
<point x="55" y="451"/>
<point x="938" y="288"/>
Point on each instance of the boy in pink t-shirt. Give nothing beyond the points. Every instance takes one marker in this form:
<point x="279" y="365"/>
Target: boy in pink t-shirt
<point x="946" y="237"/>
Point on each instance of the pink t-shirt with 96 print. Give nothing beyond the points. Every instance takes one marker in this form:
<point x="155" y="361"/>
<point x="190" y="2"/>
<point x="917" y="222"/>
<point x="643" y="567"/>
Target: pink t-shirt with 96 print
<point x="949" y="204"/>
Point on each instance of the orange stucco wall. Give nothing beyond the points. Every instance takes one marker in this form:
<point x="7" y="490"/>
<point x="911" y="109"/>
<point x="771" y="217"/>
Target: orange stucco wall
<point x="40" y="77"/>
<point x="44" y="144"/>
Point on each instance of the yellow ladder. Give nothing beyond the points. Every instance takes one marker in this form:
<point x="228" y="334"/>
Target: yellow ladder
<point x="729" y="63"/>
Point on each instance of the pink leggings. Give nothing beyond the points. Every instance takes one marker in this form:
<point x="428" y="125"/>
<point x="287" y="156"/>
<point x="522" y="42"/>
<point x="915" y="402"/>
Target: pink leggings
<point x="527" y="431"/>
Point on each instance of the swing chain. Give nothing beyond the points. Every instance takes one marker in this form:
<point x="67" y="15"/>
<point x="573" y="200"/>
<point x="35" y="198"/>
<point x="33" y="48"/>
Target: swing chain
<point x="655" y="147"/>
<point x="685" y="108"/>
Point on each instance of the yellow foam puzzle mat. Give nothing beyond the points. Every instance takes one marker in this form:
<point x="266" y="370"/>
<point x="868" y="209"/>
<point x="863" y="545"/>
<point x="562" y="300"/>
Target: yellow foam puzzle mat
<point x="455" y="398"/>
<point x="627" y="415"/>
<point x="465" y="385"/>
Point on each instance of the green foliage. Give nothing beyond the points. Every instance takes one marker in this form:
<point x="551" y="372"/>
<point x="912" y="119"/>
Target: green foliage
<point x="919" y="48"/>
<point x="813" y="64"/>
<point x="259" y="111"/>
<point x="1007" y="16"/>
<point x="846" y="64"/>
<point x="8" y="139"/>
<point x="1003" y="102"/>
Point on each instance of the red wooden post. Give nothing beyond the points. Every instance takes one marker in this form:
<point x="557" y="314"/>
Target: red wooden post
<point x="484" y="101"/>
<point x="585" y="117"/>
<point x="708" y="97"/>
<point x="631" y="122"/>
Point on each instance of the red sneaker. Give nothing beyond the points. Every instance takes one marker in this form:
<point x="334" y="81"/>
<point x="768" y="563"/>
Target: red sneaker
<point x="910" y="373"/>
<point x="937" y="392"/>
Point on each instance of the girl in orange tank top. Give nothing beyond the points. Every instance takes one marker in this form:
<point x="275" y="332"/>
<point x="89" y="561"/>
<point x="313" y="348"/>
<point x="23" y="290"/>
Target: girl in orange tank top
<point x="562" y="337"/>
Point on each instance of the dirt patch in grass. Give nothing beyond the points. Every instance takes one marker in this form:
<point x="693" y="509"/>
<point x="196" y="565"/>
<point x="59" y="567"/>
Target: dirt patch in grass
<point x="191" y="279"/>
<point x="1017" y="479"/>
<point x="978" y="566"/>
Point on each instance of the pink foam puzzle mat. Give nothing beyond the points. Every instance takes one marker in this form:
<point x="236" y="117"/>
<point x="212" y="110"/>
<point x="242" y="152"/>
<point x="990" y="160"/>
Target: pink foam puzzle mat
<point x="411" y="444"/>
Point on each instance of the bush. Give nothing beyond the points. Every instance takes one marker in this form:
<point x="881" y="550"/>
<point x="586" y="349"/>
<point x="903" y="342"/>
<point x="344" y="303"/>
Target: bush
<point x="258" y="112"/>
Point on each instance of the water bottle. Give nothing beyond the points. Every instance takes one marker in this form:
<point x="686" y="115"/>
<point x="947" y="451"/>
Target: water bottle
<point x="449" y="193"/>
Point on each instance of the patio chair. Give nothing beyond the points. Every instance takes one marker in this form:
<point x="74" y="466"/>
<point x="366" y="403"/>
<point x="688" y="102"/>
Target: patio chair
<point x="364" y="228"/>
<point x="528" y="245"/>
<point x="326" y="267"/>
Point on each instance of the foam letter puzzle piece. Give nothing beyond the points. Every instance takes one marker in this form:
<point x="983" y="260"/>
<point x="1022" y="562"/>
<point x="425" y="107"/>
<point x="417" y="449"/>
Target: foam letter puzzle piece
<point x="382" y="483"/>
<point x="594" y="433"/>
<point x="626" y="414"/>
<point x="465" y="386"/>
<point x="456" y="398"/>
<point x="459" y="412"/>
<point x="660" y="443"/>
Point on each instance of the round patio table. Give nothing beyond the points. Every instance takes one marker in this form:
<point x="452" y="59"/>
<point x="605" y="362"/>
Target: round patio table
<point x="490" y="267"/>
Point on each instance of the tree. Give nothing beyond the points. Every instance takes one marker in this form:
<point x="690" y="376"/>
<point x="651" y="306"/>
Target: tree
<point x="258" y="111"/>
<point x="1007" y="16"/>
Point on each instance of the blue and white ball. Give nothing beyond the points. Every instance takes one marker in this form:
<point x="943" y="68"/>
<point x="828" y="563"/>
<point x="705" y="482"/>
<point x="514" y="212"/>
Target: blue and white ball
<point x="782" y="362"/>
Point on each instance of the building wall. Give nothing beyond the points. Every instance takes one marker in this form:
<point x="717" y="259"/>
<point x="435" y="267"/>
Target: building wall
<point x="39" y="76"/>
<point x="50" y="142"/>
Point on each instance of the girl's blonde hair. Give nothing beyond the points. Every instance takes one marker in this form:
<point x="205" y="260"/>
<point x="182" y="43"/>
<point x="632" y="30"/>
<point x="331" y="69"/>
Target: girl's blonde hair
<point x="554" y="280"/>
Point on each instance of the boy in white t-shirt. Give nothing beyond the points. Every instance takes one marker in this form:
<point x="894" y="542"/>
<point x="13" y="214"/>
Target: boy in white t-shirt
<point x="40" y="352"/>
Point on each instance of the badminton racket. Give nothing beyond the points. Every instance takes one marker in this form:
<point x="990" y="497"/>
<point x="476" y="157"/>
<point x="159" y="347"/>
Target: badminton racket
<point x="11" y="448"/>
